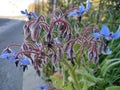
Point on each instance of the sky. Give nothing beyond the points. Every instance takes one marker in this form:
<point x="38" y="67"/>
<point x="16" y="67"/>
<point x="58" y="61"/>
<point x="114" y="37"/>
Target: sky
<point x="13" y="7"/>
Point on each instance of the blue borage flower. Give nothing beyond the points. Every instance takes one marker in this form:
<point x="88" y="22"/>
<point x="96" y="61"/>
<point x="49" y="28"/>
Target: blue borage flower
<point x="43" y="87"/>
<point x="29" y="14"/>
<point x="107" y="51"/>
<point x="105" y="32"/>
<point x="104" y="49"/>
<point x="82" y="10"/>
<point x="116" y="35"/>
<point x="88" y="5"/>
<point x="56" y="41"/>
<point x="39" y="45"/>
<point x="6" y="53"/>
<point x="11" y="56"/>
<point x="24" y="60"/>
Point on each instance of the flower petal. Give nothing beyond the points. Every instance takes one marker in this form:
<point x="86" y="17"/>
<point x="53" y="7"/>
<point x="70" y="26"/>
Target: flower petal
<point x="81" y="9"/>
<point x="22" y="12"/>
<point x="34" y="15"/>
<point x="56" y="41"/>
<point x="96" y="35"/>
<point x="26" y="11"/>
<point x="88" y="5"/>
<point x="72" y="14"/>
<point x="4" y="55"/>
<point x="107" y="52"/>
<point x="105" y="31"/>
<point x="24" y="60"/>
<point x="39" y="45"/>
<point x="116" y="35"/>
<point x="12" y="58"/>
<point x="43" y="87"/>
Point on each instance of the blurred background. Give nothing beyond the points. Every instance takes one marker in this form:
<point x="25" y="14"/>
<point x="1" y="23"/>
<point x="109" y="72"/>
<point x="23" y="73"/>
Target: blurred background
<point x="101" y="11"/>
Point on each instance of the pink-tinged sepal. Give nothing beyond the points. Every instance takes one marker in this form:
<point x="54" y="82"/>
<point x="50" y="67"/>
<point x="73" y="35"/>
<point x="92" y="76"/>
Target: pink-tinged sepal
<point x="35" y="31"/>
<point x="49" y="36"/>
<point x="54" y="58"/>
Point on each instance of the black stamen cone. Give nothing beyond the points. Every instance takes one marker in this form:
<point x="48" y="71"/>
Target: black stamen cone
<point x="107" y="42"/>
<point x="49" y="45"/>
<point x="38" y="72"/>
<point x="73" y="63"/>
<point x="24" y="68"/>
<point x="16" y="63"/>
<point x="79" y="18"/>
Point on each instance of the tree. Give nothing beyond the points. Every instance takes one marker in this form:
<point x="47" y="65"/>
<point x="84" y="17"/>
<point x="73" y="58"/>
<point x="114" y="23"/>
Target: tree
<point x="39" y="7"/>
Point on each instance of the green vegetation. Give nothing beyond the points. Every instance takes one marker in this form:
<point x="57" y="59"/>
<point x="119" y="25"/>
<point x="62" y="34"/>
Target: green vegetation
<point x="107" y="73"/>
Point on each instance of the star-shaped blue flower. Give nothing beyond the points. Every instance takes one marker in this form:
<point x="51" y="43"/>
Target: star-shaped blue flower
<point x="29" y="14"/>
<point x="9" y="55"/>
<point x="105" y="32"/>
<point x="24" y="60"/>
<point x="82" y="10"/>
<point x="6" y="53"/>
<point x="43" y="87"/>
<point x="56" y="41"/>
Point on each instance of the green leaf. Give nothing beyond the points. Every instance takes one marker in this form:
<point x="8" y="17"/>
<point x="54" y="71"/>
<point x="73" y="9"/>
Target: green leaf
<point x="57" y="82"/>
<point x="109" y="64"/>
<point x="113" y="88"/>
<point x="85" y="85"/>
<point x="65" y="77"/>
<point x="76" y="46"/>
<point x="88" y="76"/>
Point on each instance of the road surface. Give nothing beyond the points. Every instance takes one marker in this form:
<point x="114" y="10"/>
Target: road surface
<point x="12" y="78"/>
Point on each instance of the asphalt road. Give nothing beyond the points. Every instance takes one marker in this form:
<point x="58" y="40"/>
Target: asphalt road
<point x="11" y="31"/>
<point x="12" y="78"/>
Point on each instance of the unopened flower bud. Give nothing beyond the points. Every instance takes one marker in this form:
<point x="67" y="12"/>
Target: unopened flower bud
<point x="35" y="31"/>
<point x="24" y="67"/>
<point x="49" y="37"/>
<point x="69" y="36"/>
<point x="24" y="47"/>
<point x="38" y="72"/>
<point x="54" y="58"/>
<point x="65" y="34"/>
<point x="71" y="53"/>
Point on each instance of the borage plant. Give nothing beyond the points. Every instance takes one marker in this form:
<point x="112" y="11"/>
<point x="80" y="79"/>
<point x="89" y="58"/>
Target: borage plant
<point x="68" y="57"/>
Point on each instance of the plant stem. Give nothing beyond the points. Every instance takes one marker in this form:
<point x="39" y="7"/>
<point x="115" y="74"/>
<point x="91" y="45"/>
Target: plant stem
<point x="72" y="74"/>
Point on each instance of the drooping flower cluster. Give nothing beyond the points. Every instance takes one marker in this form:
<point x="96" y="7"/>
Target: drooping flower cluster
<point x="15" y="58"/>
<point x="51" y="40"/>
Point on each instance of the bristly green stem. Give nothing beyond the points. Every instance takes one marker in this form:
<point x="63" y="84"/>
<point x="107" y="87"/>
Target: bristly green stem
<point x="72" y="74"/>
